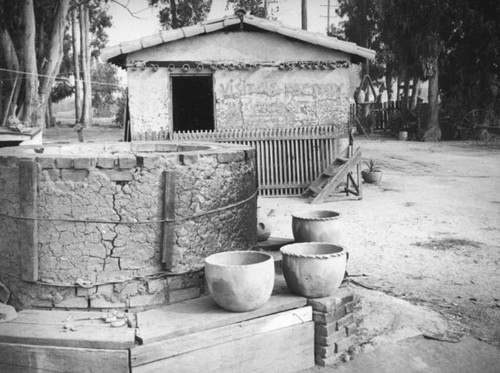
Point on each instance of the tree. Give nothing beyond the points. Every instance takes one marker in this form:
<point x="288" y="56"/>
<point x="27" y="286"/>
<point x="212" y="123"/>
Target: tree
<point x="470" y="69"/>
<point x="258" y="8"/>
<point x="103" y="91"/>
<point x="412" y="31"/>
<point x="180" y="13"/>
<point x="32" y="42"/>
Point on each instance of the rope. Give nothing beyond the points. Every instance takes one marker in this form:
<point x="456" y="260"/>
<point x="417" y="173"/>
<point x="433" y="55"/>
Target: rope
<point x="87" y="284"/>
<point x="97" y="221"/>
<point x="61" y="78"/>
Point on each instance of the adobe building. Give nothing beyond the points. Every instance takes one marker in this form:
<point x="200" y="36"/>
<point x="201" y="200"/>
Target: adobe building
<point x="238" y="72"/>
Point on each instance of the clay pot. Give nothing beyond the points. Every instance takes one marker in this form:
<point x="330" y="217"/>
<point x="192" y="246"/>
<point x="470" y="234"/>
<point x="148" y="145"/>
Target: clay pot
<point x="372" y="177"/>
<point x="316" y="226"/>
<point x="240" y="281"/>
<point x="313" y="269"/>
<point x="264" y="228"/>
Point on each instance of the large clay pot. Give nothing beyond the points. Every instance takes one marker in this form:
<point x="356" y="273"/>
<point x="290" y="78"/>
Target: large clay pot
<point x="313" y="269"/>
<point x="316" y="226"/>
<point x="240" y="281"/>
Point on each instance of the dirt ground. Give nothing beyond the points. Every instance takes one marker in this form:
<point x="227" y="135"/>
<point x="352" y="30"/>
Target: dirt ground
<point x="424" y="243"/>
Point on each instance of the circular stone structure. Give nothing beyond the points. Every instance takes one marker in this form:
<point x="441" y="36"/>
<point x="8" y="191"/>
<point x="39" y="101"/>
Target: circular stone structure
<point x="120" y="225"/>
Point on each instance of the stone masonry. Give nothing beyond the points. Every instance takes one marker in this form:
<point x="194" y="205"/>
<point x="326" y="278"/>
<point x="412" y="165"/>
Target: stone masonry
<point x="97" y="240"/>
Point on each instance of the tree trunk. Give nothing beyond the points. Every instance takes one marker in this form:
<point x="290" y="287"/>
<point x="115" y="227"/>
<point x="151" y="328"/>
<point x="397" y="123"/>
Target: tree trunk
<point x="414" y="94"/>
<point x="11" y="61"/>
<point x="75" y="39"/>
<point x="54" y="59"/>
<point x="388" y="84"/>
<point x="87" y="88"/>
<point x="303" y="9"/>
<point x="432" y="131"/>
<point x="404" y="99"/>
<point x="28" y="114"/>
<point x="173" y="12"/>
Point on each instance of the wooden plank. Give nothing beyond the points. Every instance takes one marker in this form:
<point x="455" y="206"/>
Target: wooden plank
<point x="168" y="235"/>
<point x="104" y="337"/>
<point x="54" y="317"/>
<point x="285" y="350"/>
<point x="28" y="358"/>
<point x="174" y="346"/>
<point x="274" y="243"/>
<point x="183" y="318"/>
<point x="340" y="176"/>
<point x="28" y="184"/>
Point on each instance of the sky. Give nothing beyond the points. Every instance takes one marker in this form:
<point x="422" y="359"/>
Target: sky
<point x="127" y="27"/>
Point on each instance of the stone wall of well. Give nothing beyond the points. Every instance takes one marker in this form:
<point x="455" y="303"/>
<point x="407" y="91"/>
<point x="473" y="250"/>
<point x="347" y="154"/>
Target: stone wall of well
<point x="96" y="244"/>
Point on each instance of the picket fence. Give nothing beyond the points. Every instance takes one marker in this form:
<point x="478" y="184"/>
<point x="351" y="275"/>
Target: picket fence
<point x="288" y="159"/>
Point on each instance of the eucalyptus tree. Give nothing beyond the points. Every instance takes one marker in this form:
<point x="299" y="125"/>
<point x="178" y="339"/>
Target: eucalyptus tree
<point x="174" y="14"/>
<point x="32" y="33"/>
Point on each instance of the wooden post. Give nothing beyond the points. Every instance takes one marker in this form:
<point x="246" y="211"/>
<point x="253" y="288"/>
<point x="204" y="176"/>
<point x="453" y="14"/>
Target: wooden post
<point x="168" y="235"/>
<point x="28" y="182"/>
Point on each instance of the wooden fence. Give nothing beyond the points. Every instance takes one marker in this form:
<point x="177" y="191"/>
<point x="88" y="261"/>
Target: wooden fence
<point x="288" y="159"/>
<point x="381" y="111"/>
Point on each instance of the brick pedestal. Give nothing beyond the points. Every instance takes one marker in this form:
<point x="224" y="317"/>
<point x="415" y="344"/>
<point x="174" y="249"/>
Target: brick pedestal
<point x="334" y="326"/>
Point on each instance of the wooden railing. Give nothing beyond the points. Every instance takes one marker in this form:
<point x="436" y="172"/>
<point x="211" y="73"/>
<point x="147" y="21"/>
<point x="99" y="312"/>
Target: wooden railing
<point x="288" y="159"/>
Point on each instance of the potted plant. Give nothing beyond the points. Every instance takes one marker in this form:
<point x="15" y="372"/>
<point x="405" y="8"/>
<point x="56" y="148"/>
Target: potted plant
<point x="403" y="133"/>
<point x="373" y="173"/>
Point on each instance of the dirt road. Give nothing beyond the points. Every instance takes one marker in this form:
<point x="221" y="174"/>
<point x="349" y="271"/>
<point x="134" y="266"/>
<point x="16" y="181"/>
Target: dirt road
<point x="428" y="234"/>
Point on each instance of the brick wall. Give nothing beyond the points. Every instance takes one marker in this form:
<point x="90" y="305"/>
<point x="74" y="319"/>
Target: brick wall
<point x="334" y="326"/>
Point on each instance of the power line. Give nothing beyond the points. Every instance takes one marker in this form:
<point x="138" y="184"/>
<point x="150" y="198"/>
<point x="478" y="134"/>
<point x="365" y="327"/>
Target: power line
<point x="61" y="78"/>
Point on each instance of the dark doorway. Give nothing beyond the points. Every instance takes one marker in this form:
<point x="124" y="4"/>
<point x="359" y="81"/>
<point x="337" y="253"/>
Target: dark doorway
<point x="193" y="103"/>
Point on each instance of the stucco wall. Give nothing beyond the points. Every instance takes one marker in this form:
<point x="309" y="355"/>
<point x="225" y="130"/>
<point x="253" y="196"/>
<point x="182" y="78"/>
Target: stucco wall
<point x="149" y="99"/>
<point x="237" y="46"/>
<point x="258" y="97"/>
<point x="272" y="98"/>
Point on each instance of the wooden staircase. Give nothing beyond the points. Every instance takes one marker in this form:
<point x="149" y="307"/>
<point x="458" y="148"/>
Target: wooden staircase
<point x="340" y="171"/>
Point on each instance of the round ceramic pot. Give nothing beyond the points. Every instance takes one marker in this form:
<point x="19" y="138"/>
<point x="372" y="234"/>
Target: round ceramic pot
<point x="372" y="177"/>
<point x="240" y="281"/>
<point x="313" y="269"/>
<point x="316" y="226"/>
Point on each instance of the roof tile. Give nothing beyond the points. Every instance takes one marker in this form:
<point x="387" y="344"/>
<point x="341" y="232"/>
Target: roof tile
<point x="221" y="23"/>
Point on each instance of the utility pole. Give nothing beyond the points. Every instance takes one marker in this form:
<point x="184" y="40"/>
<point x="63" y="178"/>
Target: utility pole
<point x="328" y="16"/>
<point x="304" y="14"/>
<point x="328" y="19"/>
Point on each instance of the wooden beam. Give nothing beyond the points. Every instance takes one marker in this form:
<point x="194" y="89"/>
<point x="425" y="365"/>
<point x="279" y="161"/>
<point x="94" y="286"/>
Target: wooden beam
<point x="28" y="358"/>
<point x="168" y="235"/>
<point x="183" y="318"/>
<point x="174" y="346"/>
<point x="98" y="336"/>
<point x="28" y="184"/>
<point x="284" y="350"/>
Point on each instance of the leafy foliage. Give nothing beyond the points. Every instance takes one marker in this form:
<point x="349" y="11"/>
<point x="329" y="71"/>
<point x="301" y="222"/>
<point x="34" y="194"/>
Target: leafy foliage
<point x="372" y="166"/>
<point x="103" y="91"/>
<point x="180" y="13"/>
<point x="256" y="7"/>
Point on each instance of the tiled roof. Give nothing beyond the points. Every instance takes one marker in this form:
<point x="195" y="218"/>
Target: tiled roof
<point x="115" y="53"/>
